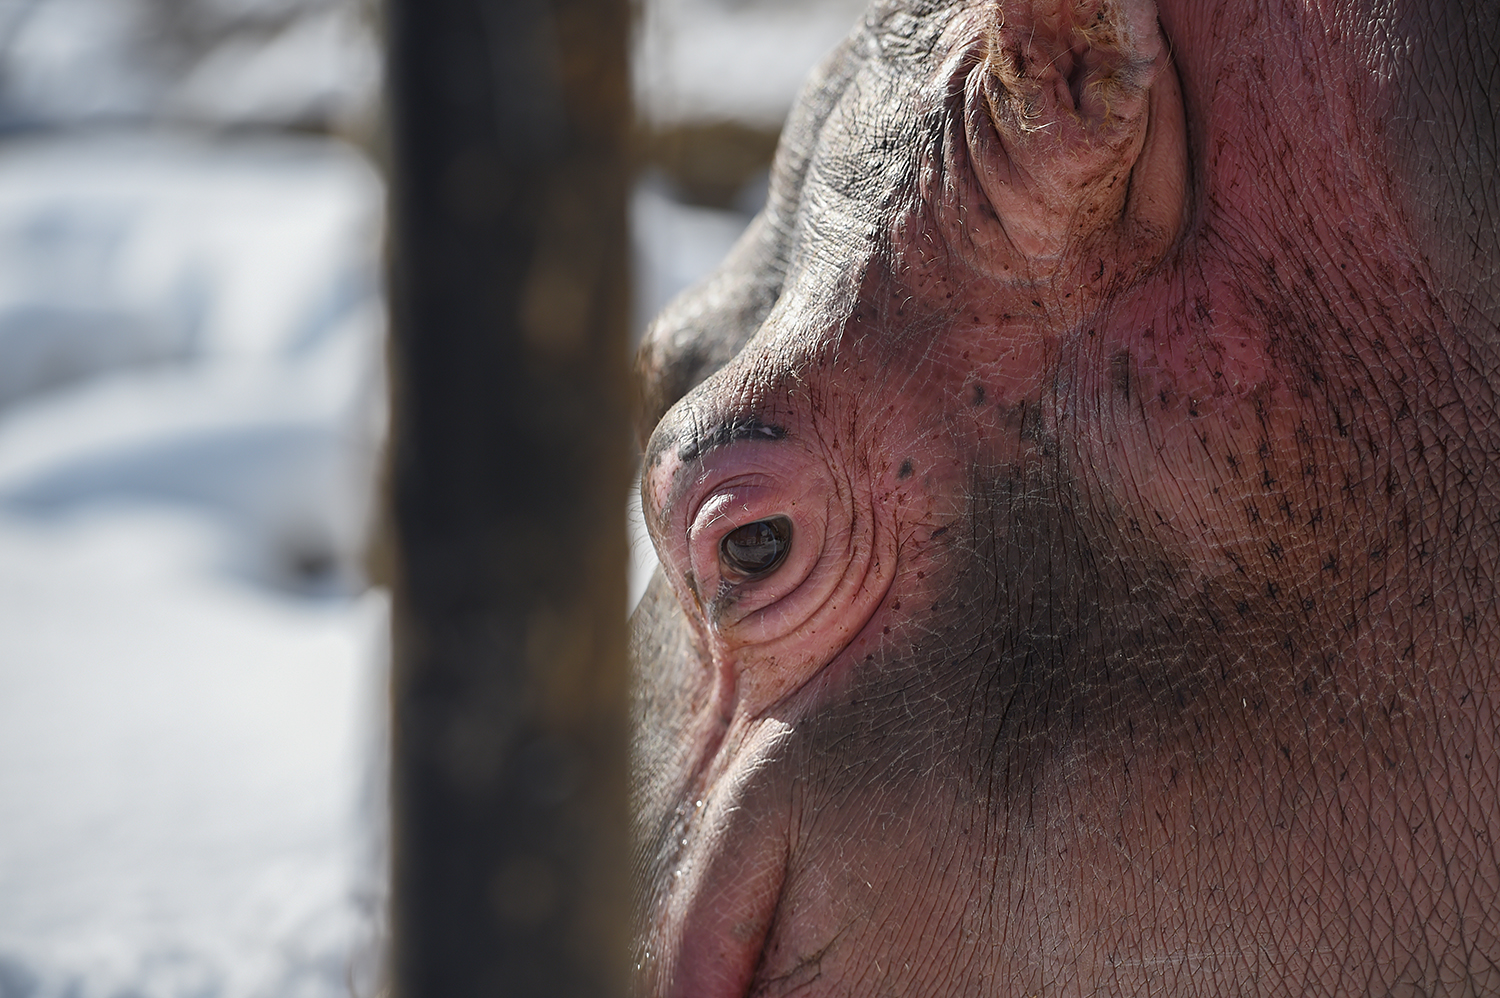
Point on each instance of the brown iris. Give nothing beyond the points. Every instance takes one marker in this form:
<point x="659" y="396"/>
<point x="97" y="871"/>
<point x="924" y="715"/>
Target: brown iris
<point x="756" y="549"/>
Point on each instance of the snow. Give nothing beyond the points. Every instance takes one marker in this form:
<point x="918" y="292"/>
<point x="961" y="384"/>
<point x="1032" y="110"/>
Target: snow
<point x="229" y="291"/>
<point x="674" y="244"/>
<point x="214" y="62"/>
<point x="65" y="58"/>
<point x="184" y="762"/>
<point x="324" y="66"/>
<point x="190" y="663"/>
<point x="732" y="60"/>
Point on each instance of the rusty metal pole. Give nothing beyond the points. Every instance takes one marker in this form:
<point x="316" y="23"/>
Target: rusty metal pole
<point x="508" y="127"/>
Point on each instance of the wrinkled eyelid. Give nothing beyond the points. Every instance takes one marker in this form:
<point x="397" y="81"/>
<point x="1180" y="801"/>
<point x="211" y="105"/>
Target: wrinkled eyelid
<point x="693" y="467"/>
<point x="732" y="431"/>
<point x="717" y="508"/>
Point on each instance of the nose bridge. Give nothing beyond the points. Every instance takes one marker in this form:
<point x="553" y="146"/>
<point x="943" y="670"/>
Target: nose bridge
<point x="843" y="328"/>
<point x="778" y="372"/>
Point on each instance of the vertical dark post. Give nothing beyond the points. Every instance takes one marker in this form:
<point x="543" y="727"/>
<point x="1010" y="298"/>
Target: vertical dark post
<point x="509" y="120"/>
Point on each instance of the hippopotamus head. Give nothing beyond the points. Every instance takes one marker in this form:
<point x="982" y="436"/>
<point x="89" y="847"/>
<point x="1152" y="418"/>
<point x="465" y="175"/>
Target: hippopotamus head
<point x="1075" y="501"/>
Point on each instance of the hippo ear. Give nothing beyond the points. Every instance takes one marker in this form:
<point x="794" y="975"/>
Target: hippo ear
<point x="706" y="326"/>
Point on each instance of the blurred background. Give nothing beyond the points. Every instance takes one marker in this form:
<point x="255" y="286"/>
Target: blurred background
<point x="192" y="405"/>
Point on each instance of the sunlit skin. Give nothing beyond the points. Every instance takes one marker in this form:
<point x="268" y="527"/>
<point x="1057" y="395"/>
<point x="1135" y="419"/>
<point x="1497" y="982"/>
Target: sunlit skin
<point x="1120" y="381"/>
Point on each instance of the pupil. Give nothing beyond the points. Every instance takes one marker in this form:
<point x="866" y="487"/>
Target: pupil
<point x="756" y="548"/>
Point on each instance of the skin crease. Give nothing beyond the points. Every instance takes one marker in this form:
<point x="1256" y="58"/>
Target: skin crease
<point x="1138" y="630"/>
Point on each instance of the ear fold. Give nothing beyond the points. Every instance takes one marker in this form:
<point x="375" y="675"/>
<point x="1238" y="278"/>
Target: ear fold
<point x="1058" y="117"/>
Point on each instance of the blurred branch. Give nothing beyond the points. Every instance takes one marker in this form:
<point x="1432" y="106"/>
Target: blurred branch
<point x="709" y="164"/>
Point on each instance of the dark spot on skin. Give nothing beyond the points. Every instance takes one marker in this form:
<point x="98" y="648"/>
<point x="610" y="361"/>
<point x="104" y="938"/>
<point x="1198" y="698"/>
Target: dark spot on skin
<point x="979" y="395"/>
<point x="940" y="531"/>
<point x="905" y="471"/>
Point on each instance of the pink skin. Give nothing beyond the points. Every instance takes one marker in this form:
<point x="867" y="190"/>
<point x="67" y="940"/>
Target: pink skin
<point x="1056" y="166"/>
<point x="1058" y="143"/>
<point x="1065" y="181"/>
<point x="769" y="635"/>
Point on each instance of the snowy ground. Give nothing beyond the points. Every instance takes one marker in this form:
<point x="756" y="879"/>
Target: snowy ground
<point x="191" y="667"/>
<point x="186" y="783"/>
<point x="189" y="671"/>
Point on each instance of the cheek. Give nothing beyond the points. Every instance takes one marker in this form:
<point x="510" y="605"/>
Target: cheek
<point x="907" y="904"/>
<point x="1189" y="431"/>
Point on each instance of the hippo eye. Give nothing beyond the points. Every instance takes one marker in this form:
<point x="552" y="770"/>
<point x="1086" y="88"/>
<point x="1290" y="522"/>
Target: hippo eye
<point x="756" y="549"/>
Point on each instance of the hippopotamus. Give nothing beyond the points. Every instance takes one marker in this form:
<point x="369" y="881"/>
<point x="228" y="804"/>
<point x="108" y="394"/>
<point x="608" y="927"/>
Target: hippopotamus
<point x="1078" y="506"/>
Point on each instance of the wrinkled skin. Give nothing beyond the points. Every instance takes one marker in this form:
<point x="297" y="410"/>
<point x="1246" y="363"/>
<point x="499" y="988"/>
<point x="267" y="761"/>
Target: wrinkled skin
<point x="1127" y="378"/>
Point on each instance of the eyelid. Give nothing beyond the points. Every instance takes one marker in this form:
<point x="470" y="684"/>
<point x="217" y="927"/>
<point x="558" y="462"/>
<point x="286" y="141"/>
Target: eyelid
<point x="723" y="493"/>
<point x="733" y="504"/>
<point x="719" y="507"/>
<point x="733" y="486"/>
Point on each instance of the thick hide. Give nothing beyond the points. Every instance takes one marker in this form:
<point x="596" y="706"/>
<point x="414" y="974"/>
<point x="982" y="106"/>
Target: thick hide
<point x="1076" y="497"/>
